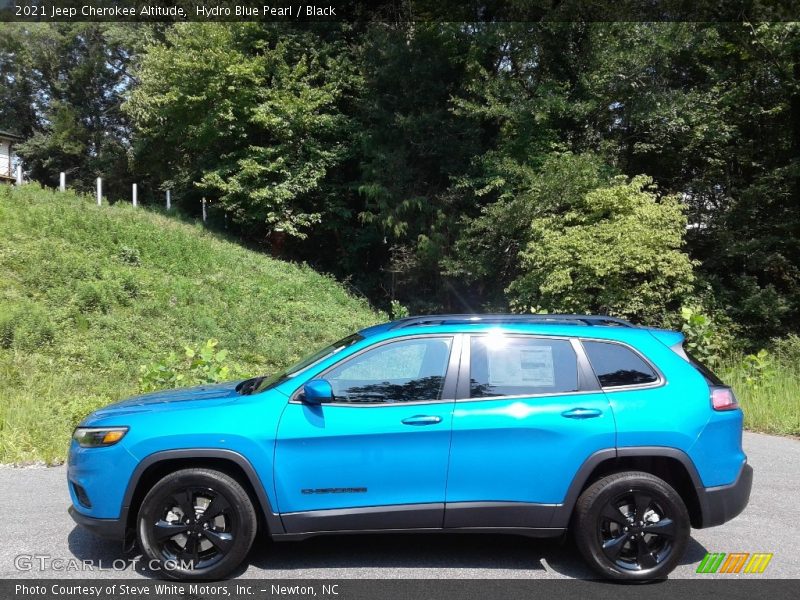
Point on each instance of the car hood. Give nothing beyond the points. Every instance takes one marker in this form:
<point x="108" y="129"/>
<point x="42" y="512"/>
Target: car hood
<point x="170" y="399"/>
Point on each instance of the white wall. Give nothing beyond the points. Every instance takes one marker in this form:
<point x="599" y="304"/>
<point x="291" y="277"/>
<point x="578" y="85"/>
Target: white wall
<point x="5" y="158"/>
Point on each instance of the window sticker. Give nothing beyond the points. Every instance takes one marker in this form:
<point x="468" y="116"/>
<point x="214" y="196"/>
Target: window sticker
<point x="531" y="367"/>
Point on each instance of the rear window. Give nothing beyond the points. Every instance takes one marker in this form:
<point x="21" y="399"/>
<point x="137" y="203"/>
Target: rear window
<point x="616" y="365"/>
<point x="518" y="366"/>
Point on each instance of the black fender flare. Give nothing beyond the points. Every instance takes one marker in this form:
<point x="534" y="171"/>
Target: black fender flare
<point x="272" y="519"/>
<point x="563" y="512"/>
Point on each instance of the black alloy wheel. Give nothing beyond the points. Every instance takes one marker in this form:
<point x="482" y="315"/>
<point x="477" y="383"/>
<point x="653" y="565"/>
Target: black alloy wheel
<point x="196" y="524"/>
<point x="635" y="530"/>
<point x="631" y="526"/>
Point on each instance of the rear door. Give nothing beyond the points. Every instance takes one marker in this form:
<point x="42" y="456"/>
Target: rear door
<point x="529" y="412"/>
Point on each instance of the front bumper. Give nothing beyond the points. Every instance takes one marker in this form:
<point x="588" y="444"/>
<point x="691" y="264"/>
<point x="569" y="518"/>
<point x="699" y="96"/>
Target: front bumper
<point x="722" y="503"/>
<point x="113" y="529"/>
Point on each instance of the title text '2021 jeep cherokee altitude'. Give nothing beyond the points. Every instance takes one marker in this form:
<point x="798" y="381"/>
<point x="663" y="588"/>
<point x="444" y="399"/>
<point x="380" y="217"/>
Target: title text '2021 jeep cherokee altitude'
<point x="496" y="423"/>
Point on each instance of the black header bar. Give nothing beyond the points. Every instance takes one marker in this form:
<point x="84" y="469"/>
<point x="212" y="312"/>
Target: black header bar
<point x="399" y="11"/>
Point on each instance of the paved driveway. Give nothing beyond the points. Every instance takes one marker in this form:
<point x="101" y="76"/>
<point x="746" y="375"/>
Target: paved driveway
<point x="33" y="505"/>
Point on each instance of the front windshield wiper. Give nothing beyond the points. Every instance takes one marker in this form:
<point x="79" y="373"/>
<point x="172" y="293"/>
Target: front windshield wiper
<point x="248" y="386"/>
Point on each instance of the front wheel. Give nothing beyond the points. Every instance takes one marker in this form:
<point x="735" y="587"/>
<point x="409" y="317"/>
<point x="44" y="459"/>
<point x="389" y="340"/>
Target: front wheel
<point x="631" y="526"/>
<point x="196" y="524"/>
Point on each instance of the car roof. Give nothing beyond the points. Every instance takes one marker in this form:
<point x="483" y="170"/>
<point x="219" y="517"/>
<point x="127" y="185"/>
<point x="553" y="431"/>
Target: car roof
<point x="600" y="326"/>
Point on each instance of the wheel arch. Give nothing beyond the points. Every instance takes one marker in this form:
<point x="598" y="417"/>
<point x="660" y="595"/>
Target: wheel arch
<point x="157" y="465"/>
<point x="670" y="464"/>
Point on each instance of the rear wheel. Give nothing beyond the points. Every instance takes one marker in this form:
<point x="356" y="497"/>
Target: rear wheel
<point x="196" y="524"/>
<point x="631" y="526"/>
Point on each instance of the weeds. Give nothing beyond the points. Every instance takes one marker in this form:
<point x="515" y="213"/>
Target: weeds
<point x="90" y="294"/>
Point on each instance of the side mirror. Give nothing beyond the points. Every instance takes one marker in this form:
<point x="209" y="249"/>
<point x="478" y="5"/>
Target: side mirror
<point x="317" y="391"/>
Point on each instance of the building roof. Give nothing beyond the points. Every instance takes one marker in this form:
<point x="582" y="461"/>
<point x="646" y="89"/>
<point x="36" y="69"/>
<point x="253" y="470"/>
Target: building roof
<point x="10" y="136"/>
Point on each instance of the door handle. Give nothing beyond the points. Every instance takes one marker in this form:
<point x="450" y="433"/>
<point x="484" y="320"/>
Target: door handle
<point x="582" y="413"/>
<point x="422" y="420"/>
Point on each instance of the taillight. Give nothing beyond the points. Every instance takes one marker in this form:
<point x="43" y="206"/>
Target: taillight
<point x="722" y="398"/>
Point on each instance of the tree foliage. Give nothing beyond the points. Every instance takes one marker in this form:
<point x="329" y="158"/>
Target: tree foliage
<point x="454" y="166"/>
<point x="247" y="115"/>
<point x="62" y="89"/>
<point x="616" y="251"/>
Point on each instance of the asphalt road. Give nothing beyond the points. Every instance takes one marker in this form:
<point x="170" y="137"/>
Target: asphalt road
<point x="34" y="523"/>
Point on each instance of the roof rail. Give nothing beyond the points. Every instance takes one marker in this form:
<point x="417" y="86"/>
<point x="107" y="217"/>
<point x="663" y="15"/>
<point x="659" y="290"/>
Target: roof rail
<point x="501" y="318"/>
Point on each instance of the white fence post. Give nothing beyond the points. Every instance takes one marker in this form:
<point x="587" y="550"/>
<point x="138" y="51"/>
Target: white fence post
<point x="99" y="191"/>
<point x="169" y="200"/>
<point x="19" y="174"/>
<point x="62" y="182"/>
<point x="204" y="209"/>
<point x="135" y="197"/>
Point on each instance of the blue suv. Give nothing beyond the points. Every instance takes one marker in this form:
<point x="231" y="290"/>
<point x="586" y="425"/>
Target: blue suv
<point x="530" y="425"/>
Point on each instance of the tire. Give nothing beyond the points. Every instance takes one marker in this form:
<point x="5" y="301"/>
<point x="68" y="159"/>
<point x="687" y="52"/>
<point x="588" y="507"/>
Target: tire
<point x="182" y="538"/>
<point x="631" y="526"/>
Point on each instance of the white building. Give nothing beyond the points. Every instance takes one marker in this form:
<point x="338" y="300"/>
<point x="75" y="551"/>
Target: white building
<point x="7" y="141"/>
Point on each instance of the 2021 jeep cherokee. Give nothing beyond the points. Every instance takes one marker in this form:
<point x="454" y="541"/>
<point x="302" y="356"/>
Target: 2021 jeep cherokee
<point x="522" y="424"/>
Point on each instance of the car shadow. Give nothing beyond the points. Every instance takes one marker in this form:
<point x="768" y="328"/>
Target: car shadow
<point x="414" y="552"/>
<point x="106" y="555"/>
<point x="326" y="556"/>
<point x="419" y="554"/>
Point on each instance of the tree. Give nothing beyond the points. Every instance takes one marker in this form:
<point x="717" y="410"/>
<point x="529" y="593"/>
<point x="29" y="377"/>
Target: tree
<point x="246" y="113"/>
<point x="487" y="253"/>
<point x="617" y="251"/>
<point x="65" y="85"/>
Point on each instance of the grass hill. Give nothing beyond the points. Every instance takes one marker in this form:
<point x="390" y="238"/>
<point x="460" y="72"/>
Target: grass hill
<point x="90" y="294"/>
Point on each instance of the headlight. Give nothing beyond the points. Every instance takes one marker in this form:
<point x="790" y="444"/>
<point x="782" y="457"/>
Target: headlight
<point x="97" y="437"/>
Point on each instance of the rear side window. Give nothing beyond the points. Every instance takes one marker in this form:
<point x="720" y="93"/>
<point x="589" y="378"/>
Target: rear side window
<point x="517" y="366"/>
<point x="615" y="365"/>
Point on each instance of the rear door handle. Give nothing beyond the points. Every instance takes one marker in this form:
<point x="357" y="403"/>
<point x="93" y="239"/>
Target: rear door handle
<point x="422" y="420"/>
<point x="582" y="413"/>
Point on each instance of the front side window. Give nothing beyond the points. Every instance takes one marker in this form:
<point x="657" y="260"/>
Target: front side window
<point x="521" y="366"/>
<point x="615" y="365"/>
<point x="403" y="371"/>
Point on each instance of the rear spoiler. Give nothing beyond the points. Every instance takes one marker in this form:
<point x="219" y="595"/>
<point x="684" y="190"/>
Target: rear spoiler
<point x="672" y="339"/>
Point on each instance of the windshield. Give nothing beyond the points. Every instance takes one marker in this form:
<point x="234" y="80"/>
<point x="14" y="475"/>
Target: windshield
<point x="259" y="384"/>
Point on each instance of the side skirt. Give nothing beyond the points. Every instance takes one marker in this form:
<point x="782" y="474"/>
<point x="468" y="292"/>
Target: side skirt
<point x="518" y="518"/>
<point x="532" y="532"/>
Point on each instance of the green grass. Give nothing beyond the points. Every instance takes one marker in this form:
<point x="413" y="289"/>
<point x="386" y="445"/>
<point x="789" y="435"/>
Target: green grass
<point x="88" y="294"/>
<point x="771" y="402"/>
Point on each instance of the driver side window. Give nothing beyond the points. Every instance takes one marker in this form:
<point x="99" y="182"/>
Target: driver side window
<point x="403" y="371"/>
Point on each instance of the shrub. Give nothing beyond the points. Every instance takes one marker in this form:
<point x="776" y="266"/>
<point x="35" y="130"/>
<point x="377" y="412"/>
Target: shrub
<point x="787" y="349"/>
<point x="398" y="311"/>
<point x="615" y="250"/>
<point x="34" y="331"/>
<point x="7" y="330"/>
<point x="131" y="286"/>
<point x="26" y="327"/>
<point x="196" y="366"/>
<point x="91" y="296"/>
<point x="706" y="338"/>
<point x="129" y="256"/>
<point x="758" y="368"/>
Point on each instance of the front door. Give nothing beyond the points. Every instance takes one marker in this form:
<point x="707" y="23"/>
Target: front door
<point x="525" y="420"/>
<point x="376" y="457"/>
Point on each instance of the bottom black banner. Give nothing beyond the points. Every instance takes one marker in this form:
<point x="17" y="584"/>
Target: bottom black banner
<point x="395" y="589"/>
